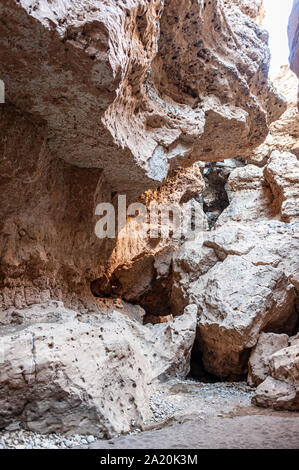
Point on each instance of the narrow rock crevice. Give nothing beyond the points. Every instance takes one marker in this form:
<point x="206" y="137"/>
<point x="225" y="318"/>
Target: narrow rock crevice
<point x="214" y="198"/>
<point x="197" y="369"/>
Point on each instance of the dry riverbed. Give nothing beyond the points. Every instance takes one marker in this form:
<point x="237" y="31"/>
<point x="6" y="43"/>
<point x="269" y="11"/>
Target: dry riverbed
<point x="187" y="415"/>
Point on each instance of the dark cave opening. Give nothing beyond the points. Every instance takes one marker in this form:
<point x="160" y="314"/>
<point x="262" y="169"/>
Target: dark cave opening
<point x="214" y="198"/>
<point x="197" y="369"/>
<point x="199" y="373"/>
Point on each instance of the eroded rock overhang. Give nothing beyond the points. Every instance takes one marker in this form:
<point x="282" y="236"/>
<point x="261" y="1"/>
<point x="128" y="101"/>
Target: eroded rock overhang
<point x="138" y="88"/>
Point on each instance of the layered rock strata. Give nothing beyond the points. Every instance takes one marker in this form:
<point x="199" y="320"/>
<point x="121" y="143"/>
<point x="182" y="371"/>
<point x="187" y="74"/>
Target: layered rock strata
<point x="104" y="98"/>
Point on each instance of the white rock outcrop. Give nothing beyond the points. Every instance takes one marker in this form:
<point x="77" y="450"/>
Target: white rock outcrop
<point x="244" y="276"/>
<point x="258" y="365"/>
<point x="280" y="390"/>
<point x="92" y="374"/>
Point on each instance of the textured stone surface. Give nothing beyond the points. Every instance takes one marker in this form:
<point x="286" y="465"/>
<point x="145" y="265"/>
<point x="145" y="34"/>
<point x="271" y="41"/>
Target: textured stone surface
<point x="140" y="267"/>
<point x="236" y="300"/>
<point x="294" y="340"/>
<point x="214" y="197"/>
<point x="44" y="200"/>
<point x="281" y="389"/>
<point x="109" y="97"/>
<point x="252" y="8"/>
<point x="60" y="372"/>
<point x="48" y="247"/>
<point x="258" y="365"/>
<point x="98" y="70"/>
<point x="282" y="174"/>
<point x="283" y="133"/>
<point x="243" y="276"/>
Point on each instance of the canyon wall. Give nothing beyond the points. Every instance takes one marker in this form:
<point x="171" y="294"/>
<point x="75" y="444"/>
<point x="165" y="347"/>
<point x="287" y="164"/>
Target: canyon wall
<point x="163" y="102"/>
<point x="113" y="97"/>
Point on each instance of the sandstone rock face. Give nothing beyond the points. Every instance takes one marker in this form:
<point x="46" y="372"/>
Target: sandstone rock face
<point x="140" y="265"/>
<point x="283" y="133"/>
<point x="112" y="97"/>
<point x="100" y="70"/>
<point x="243" y="275"/>
<point x="48" y="248"/>
<point x="294" y="340"/>
<point x="281" y="389"/>
<point x="254" y="8"/>
<point x="236" y="300"/>
<point x="293" y="32"/>
<point x="282" y="174"/>
<point x="258" y="365"/>
<point x="92" y="374"/>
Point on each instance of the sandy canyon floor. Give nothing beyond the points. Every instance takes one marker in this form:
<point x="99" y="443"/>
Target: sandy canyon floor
<point x="187" y="415"/>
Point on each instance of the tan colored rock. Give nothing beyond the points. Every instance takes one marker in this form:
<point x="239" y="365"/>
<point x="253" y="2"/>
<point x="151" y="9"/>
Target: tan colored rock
<point x="111" y="96"/>
<point x="259" y="199"/>
<point x="243" y="275"/>
<point x="255" y="194"/>
<point x="283" y="133"/>
<point x="91" y="374"/>
<point x="286" y="129"/>
<point x="262" y="194"/>
<point x="48" y="247"/>
<point x="155" y="320"/>
<point x="281" y="389"/>
<point x="103" y="69"/>
<point x="294" y="340"/>
<point x="140" y="267"/>
<point x="214" y="197"/>
<point x="252" y="8"/>
<point x="282" y="173"/>
<point x="236" y="301"/>
<point x="44" y="200"/>
<point x="258" y="365"/>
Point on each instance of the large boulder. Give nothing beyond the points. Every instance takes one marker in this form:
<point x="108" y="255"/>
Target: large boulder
<point x="89" y="374"/>
<point x="280" y="390"/>
<point x="236" y="300"/>
<point x="258" y="365"/>
<point x="244" y="274"/>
